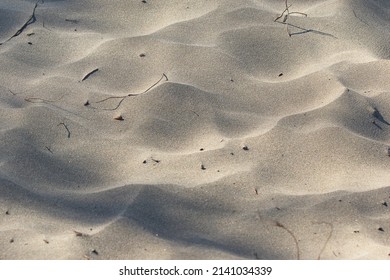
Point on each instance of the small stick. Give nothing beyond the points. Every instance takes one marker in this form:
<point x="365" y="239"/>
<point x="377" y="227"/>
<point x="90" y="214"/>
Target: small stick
<point x="285" y="18"/>
<point x="278" y="224"/>
<point x="327" y="240"/>
<point x="43" y="25"/>
<point x="195" y="113"/>
<point x="72" y="20"/>
<point x="66" y="127"/>
<point x="79" y="234"/>
<point x="119" y="118"/>
<point x="125" y="96"/>
<point x="285" y="10"/>
<point x="299" y="13"/>
<point x="89" y="74"/>
<point x="359" y="18"/>
<point x="30" y="20"/>
<point x="41" y="100"/>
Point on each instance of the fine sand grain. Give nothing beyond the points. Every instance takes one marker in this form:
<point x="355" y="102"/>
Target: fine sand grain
<point x="194" y="129"/>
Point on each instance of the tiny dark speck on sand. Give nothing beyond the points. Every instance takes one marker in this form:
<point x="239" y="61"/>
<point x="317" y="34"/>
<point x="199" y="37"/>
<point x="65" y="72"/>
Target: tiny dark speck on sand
<point x="119" y="118"/>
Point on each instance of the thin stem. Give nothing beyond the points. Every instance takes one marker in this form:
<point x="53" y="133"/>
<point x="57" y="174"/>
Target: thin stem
<point x="278" y="224"/>
<point x="30" y="20"/>
<point x="286" y="13"/>
<point x="123" y="97"/>
<point x="299" y="13"/>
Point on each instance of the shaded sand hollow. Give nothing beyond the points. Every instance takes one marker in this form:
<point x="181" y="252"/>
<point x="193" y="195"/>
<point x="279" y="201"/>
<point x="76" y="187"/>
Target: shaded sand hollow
<point x="235" y="137"/>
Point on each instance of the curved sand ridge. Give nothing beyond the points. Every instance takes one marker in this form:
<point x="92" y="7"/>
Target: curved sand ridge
<point x="194" y="130"/>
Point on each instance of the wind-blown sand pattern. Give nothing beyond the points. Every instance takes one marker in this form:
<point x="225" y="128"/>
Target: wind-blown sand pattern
<point x="231" y="139"/>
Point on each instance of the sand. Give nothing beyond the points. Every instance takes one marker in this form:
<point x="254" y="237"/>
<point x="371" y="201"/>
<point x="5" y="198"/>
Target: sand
<point x="183" y="129"/>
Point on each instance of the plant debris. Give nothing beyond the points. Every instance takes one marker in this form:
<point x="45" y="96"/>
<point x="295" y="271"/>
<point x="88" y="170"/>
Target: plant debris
<point x="89" y="74"/>
<point x="123" y="97"/>
<point x="285" y="14"/>
<point x="30" y="20"/>
<point x="66" y="127"/>
<point x="119" y="118"/>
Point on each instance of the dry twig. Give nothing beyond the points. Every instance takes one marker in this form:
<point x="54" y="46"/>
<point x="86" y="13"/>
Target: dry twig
<point x="327" y="239"/>
<point x="30" y="20"/>
<point x="278" y="224"/>
<point x="80" y="234"/>
<point x="89" y="74"/>
<point x="285" y="14"/>
<point x="123" y="97"/>
<point x="66" y="127"/>
<point x="41" y="100"/>
<point x="47" y="148"/>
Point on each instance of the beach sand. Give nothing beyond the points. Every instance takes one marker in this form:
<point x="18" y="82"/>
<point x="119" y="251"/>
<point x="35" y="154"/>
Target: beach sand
<point x="194" y="129"/>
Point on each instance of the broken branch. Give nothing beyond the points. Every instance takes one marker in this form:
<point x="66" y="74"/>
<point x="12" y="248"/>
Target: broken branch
<point x="66" y="127"/>
<point x="89" y="74"/>
<point x="123" y="97"/>
<point x="30" y="20"/>
<point x="285" y="18"/>
<point x="278" y="224"/>
<point x="327" y="239"/>
<point x="41" y="100"/>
